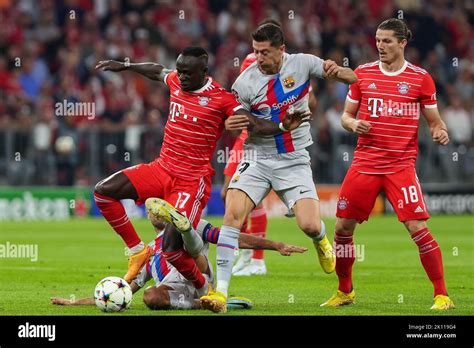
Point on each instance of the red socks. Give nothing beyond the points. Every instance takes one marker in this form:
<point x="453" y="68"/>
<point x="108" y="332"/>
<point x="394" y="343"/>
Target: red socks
<point x="431" y="259"/>
<point x="258" y="228"/>
<point x="114" y="213"/>
<point x="185" y="265"/>
<point x="345" y="257"/>
<point x="430" y="256"/>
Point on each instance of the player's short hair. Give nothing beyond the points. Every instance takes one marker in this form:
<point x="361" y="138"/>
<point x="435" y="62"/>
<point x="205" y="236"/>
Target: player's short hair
<point x="195" y="51"/>
<point x="398" y="26"/>
<point x="269" y="32"/>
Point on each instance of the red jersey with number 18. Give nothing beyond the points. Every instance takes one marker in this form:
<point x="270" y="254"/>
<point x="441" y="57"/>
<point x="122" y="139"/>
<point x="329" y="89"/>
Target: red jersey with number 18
<point x="392" y="102"/>
<point x="195" y="124"/>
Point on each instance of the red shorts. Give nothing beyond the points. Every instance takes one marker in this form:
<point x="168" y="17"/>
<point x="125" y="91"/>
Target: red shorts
<point x="235" y="154"/>
<point x="188" y="196"/>
<point x="359" y="192"/>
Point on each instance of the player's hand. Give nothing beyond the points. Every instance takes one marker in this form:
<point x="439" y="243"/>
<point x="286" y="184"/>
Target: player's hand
<point x="331" y="68"/>
<point x="287" y="250"/>
<point x="61" y="301"/>
<point x="237" y="123"/>
<point x="360" y="126"/>
<point x="110" y="65"/>
<point x="293" y="119"/>
<point x="441" y="136"/>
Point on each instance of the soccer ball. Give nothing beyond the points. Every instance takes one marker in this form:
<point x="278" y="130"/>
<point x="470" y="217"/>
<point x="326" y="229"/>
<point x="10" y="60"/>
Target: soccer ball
<point x="113" y="294"/>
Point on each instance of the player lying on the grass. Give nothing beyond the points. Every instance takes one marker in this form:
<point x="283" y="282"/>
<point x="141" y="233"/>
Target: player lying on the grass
<point x="383" y="109"/>
<point x="172" y="290"/>
<point x="182" y="172"/>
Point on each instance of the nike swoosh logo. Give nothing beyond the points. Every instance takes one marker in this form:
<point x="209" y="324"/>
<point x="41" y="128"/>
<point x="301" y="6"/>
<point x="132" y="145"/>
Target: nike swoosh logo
<point x="301" y="191"/>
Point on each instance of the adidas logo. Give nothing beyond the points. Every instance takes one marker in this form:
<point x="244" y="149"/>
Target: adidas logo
<point x="419" y="210"/>
<point x="372" y="86"/>
<point x="176" y="92"/>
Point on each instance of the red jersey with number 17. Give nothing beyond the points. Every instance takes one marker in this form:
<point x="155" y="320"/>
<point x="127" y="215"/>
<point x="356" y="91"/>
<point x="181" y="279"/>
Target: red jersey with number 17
<point x="392" y="102"/>
<point x="195" y="124"/>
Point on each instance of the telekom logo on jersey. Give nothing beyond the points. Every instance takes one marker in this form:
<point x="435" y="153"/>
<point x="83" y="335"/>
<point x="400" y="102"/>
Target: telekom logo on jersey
<point x="380" y="107"/>
<point x="177" y="110"/>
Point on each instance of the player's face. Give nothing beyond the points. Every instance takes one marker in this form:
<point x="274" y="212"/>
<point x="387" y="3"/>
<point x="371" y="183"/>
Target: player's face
<point x="268" y="57"/>
<point x="389" y="47"/>
<point x="191" y="72"/>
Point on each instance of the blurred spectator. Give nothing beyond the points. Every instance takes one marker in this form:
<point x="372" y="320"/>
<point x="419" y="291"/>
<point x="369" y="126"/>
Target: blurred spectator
<point x="49" y="50"/>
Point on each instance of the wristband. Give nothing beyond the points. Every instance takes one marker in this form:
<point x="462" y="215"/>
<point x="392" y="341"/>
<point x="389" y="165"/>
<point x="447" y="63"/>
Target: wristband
<point x="282" y="127"/>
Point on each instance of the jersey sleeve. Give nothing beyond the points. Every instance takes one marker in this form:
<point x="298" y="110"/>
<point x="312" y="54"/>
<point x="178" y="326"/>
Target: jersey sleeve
<point x="241" y="93"/>
<point x="236" y="154"/>
<point x="169" y="77"/>
<point x="230" y="104"/>
<point x="354" y="93"/>
<point x="428" y="92"/>
<point x="314" y="64"/>
<point x="142" y="278"/>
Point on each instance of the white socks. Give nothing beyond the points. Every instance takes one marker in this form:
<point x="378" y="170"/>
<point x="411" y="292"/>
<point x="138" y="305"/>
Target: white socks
<point x="321" y="234"/>
<point x="192" y="242"/>
<point x="137" y="248"/>
<point x="227" y="250"/>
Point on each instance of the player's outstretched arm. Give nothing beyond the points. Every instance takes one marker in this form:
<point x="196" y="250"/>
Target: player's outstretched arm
<point x="84" y="301"/>
<point x="153" y="71"/>
<point x="336" y="72"/>
<point x="245" y="120"/>
<point x="349" y="121"/>
<point x="438" y="129"/>
<point x="247" y="241"/>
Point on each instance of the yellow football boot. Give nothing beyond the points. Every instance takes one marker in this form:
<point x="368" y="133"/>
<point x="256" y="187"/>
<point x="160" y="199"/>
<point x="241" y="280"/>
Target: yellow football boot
<point x="326" y="256"/>
<point x="215" y="302"/>
<point x="442" y="303"/>
<point x="340" y="299"/>
<point x="162" y="210"/>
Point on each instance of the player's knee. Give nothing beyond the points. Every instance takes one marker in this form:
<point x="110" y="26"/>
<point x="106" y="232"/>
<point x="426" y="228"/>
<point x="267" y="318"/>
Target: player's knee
<point x="101" y="188"/>
<point x="172" y="240"/>
<point x="156" y="298"/>
<point x="415" y="225"/>
<point x="310" y="228"/>
<point x="345" y="226"/>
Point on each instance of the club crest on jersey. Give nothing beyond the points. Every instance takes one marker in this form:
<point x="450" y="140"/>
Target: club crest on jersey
<point x="403" y="87"/>
<point x="289" y="82"/>
<point x="342" y="203"/>
<point x="203" y="101"/>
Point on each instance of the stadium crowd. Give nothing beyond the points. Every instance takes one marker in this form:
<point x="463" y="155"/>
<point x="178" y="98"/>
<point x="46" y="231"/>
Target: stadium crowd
<point x="49" y="50"/>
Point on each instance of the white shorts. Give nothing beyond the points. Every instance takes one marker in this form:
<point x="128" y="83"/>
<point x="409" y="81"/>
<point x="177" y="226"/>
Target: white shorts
<point x="288" y="174"/>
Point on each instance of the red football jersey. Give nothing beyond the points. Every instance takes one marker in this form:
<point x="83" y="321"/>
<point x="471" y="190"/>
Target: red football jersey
<point x="195" y="124"/>
<point x="392" y="102"/>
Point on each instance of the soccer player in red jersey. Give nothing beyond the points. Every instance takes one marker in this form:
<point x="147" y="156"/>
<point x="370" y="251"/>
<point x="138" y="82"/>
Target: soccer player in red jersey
<point x="182" y="173"/>
<point x="387" y="99"/>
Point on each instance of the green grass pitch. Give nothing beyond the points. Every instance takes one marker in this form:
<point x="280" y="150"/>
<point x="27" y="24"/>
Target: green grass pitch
<point x="73" y="256"/>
